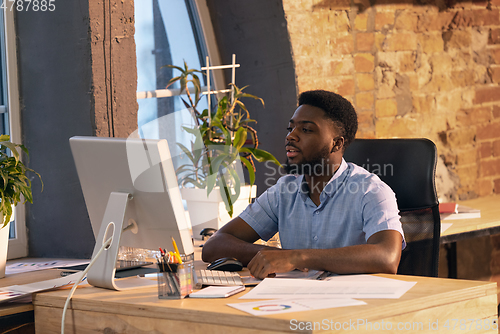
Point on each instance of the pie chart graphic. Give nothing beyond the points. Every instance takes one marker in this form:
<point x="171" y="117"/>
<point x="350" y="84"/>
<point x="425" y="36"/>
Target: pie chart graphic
<point x="272" y="307"/>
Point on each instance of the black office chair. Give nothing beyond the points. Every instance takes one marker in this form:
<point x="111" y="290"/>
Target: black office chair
<point x="408" y="166"/>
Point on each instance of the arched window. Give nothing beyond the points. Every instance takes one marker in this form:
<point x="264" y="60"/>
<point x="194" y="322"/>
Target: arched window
<point x="169" y="32"/>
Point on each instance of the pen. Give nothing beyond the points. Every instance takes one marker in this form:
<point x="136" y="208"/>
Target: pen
<point x="176" y="253"/>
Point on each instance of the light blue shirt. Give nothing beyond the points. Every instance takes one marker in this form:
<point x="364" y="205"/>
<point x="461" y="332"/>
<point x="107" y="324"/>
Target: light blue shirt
<point x="355" y="204"/>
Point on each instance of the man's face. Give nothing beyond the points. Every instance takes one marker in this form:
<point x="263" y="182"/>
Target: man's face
<point x="309" y="141"/>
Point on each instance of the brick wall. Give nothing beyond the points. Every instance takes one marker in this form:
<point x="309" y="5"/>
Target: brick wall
<point x="426" y="70"/>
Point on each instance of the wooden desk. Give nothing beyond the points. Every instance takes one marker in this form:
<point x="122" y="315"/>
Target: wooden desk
<point x="461" y="229"/>
<point x="488" y="224"/>
<point x="20" y="314"/>
<point x="95" y="310"/>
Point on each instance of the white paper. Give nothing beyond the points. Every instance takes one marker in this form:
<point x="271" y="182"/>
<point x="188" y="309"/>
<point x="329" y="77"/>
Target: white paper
<point x="217" y="291"/>
<point x="445" y="226"/>
<point x="16" y="291"/>
<point x="27" y="266"/>
<point x="311" y="274"/>
<point x="345" y="286"/>
<point x="292" y="305"/>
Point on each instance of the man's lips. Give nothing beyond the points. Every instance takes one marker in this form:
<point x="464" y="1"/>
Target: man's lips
<point x="291" y="151"/>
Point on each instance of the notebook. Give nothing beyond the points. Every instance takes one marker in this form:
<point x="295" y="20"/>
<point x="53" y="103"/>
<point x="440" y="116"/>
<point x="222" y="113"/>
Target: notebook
<point x="217" y="291"/>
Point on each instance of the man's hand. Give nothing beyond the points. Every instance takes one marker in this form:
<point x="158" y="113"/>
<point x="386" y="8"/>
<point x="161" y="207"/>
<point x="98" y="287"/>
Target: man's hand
<point x="268" y="262"/>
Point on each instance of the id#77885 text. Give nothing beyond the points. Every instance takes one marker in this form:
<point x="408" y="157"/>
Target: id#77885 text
<point x="29" y="5"/>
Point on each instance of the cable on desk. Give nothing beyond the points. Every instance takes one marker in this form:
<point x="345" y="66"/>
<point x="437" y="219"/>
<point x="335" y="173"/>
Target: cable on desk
<point x="105" y="245"/>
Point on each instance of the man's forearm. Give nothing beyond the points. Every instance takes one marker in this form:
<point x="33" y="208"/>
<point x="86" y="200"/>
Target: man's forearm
<point x="225" y="245"/>
<point x="350" y="260"/>
<point x="380" y="255"/>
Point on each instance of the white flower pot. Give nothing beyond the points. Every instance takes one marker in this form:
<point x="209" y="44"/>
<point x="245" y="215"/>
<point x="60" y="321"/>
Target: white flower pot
<point x="4" y="242"/>
<point x="211" y="211"/>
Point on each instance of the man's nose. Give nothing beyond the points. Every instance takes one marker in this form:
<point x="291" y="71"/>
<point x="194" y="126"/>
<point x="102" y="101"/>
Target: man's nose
<point x="292" y="135"/>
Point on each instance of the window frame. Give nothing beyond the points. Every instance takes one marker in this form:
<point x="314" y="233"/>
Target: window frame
<point x="18" y="246"/>
<point x="207" y="30"/>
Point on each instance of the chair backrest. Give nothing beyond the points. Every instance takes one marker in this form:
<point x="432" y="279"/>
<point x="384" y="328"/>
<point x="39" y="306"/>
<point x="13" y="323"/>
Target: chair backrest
<point x="408" y="166"/>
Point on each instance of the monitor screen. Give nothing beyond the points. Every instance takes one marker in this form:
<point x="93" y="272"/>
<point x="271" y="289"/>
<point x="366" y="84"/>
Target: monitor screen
<point x="142" y="171"/>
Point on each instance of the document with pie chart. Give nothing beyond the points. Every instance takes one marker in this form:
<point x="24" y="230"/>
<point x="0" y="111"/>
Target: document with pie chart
<point x="266" y="307"/>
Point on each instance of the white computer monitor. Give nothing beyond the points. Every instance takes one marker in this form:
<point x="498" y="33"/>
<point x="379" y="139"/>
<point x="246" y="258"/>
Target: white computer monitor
<point x="131" y="183"/>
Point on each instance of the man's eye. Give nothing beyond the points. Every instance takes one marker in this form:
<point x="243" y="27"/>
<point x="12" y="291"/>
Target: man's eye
<point x="306" y="130"/>
<point x="289" y="129"/>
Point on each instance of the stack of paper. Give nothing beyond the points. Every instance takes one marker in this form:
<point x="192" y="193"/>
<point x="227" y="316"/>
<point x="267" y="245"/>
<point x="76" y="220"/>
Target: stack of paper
<point x="294" y="295"/>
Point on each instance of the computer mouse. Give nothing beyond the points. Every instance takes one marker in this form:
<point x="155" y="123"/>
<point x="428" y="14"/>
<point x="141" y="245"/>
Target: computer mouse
<point x="226" y="264"/>
<point x="207" y="232"/>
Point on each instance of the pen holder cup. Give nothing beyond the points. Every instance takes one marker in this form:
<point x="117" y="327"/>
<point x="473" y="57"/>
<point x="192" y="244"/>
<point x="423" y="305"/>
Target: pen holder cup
<point x="175" y="281"/>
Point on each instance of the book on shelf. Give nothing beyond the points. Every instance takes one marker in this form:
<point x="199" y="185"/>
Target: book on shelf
<point x="451" y="211"/>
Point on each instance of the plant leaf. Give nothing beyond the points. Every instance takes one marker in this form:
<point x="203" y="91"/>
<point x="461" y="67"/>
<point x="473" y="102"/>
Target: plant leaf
<point x="240" y="137"/>
<point x="260" y="155"/>
<point x="251" y="172"/>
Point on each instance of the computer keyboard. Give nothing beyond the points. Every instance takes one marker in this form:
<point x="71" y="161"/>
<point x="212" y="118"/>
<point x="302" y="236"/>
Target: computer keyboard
<point x="126" y="264"/>
<point x="217" y="277"/>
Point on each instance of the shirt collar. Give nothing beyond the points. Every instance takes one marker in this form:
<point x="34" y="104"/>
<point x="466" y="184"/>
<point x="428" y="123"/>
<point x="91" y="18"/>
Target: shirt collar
<point x="332" y="185"/>
<point x="336" y="180"/>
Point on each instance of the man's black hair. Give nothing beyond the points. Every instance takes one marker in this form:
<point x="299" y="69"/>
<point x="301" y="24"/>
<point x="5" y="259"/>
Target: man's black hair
<point x="337" y="108"/>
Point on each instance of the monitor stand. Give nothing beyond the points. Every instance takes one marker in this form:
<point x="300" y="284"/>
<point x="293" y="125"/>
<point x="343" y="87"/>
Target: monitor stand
<point x="102" y="272"/>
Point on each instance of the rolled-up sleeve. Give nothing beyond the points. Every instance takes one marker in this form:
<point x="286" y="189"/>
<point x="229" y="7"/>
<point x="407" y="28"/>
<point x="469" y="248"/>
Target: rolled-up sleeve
<point x="380" y="211"/>
<point x="261" y="215"/>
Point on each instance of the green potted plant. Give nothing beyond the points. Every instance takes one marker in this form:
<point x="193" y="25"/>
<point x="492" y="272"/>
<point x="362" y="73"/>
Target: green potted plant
<point x="223" y="138"/>
<point x="13" y="184"/>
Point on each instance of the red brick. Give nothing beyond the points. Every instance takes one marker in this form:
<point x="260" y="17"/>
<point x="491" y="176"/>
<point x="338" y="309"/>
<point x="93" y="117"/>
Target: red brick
<point x="365" y="81"/>
<point x="468" y="117"/>
<point x="407" y="61"/>
<point x="485" y="187"/>
<point x="386" y="108"/>
<point x="361" y="21"/>
<point x="364" y="62"/>
<point x="383" y="19"/>
<point x="495" y="56"/>
<point x="494" y="36"/>
<point x="494" y="73"/>
<point x="487" y="94"/>
<point x="406" y="20"/>
<point x="490" y="167"/>
<point x="489" y="131"/>
<point x="463" y="78"/>
<point x="485" y="150"/>
<point x="461" y="137"/>
<point x="467" y="157"/>
<point x="468" y="177"/>
<point x="346" y="87"/>
<point x="496" y="186"/>
<point x="433" y="21"/>
<point x="365" y="41"/>
<point x="496" y="111"/>
<point x="496" y="148"/>
<point x="462" y="19"/>
<point x="364" y="100"/>
<point x="344" y="45"/>
<point x="365" y="117"/>
<point x="484" y="17"/>
<point x="401" y="42"/>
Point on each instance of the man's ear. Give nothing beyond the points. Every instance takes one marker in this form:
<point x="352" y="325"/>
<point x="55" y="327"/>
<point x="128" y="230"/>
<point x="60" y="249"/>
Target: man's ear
<point x="338" y="144"/>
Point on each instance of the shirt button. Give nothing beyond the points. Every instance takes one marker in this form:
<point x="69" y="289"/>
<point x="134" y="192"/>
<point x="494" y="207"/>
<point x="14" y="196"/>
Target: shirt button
<point x="315" y="238"/>
<point x="316" y="212"/>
